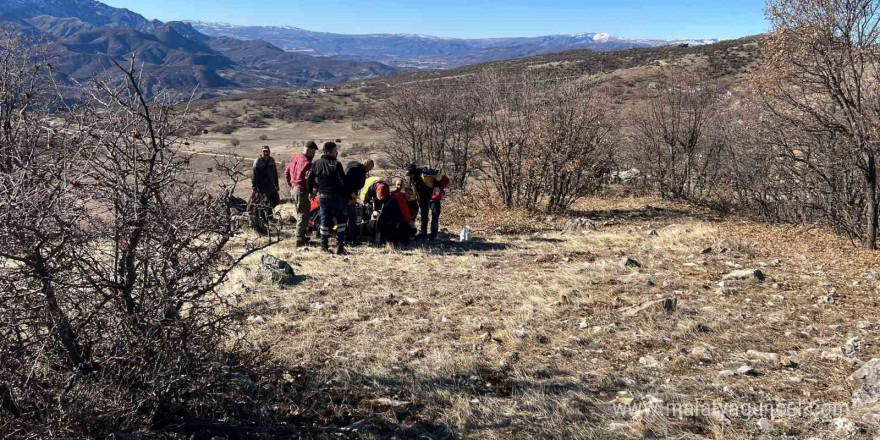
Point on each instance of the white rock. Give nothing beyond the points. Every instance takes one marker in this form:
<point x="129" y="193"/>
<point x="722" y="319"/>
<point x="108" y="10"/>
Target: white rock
<point x="844" y="427"/>
<point x="746" y="370"/>
<point x="649" y="362"/>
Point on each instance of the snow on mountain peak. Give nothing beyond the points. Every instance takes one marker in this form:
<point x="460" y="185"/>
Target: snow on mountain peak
<point x="602" y="37"/>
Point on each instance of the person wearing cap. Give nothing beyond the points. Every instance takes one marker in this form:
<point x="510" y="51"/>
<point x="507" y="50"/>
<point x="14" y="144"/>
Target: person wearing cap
<point x="355" y="178"/>
<point x="428" y="185"/>
<point x="296" y="174"/>
<point x="328" y="179"/>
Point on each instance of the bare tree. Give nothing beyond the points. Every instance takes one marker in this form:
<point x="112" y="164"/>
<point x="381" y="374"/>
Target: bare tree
<point x="821" y="73"/>
<point x="431" y="124"/>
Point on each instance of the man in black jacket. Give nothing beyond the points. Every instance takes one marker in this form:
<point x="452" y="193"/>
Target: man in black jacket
<point x="328" y="179"/>
<point x="355" y="179"/>
<point x="265" y="179"/>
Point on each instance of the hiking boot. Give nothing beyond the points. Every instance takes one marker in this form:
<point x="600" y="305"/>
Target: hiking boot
<point x="341" y="251"/>
<point x="325" y="244"/>
<point x="302" y="242"/>
<point x="421" y="236"/>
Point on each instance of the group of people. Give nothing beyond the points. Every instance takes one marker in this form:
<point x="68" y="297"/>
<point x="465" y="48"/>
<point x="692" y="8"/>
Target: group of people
<point x="349" y="201"/>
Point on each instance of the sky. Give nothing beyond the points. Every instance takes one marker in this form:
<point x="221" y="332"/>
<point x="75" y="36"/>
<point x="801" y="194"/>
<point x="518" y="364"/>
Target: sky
<point x="664" y="19"/>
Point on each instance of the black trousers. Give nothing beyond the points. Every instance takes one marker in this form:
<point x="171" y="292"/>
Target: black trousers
<point x="430" y="208"/>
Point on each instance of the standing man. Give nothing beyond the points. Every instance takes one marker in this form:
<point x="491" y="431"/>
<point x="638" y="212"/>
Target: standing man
<point x="265" y="197"/>
<point x="328" y="178"/>
<point x="428" y="185"/>
<point x="296" y="174"/>
<point x="265" y="180"/>
<point x="355" y="179"/>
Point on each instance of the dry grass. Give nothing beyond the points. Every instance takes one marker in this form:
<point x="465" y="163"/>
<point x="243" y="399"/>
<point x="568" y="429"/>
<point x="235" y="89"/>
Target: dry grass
<point x="527" y="336"/>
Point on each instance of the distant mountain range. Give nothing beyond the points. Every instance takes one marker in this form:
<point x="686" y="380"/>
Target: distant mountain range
<point x="421" y="51"/>
<point x="85" y="37"/>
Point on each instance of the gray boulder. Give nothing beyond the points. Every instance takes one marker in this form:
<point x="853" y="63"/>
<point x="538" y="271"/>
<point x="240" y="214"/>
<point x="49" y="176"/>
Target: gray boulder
<point x="868" y="376"/>
<point x="277" y="270"/>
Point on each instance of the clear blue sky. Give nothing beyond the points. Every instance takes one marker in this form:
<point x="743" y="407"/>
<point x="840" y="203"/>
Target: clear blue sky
<point x="668" y="19"/>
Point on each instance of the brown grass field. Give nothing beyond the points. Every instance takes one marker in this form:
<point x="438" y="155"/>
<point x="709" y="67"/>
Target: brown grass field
<point x="531" y="331"/>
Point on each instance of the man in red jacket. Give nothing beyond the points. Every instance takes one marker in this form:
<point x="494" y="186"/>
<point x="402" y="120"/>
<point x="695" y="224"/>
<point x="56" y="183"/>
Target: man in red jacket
<point x="297" y="174"/>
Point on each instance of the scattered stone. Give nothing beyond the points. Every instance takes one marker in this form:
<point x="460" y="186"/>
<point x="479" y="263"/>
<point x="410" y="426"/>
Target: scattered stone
<point x="631" y="262"/>
<point x="745" y="275"/>
<point x="852" y="348"/>
<point x="746" y="370"/>
<point x="667" y="305"/>
<point x="702" y="328"/>
<point x="386" y="402"/>
<point x="258" y="320"/>
<point x="583" y="324"/>
<point x="727" y="373"/>
<point x="277" y="270"/>
<point x="569" y="352"/>
<point x="702" y="353"/>
<point x="764" y="424"/>
<point x="828" y="298"/>
<point x="869" y="378"/>
<point x="843" y="427"/>
<point x="763" y="356"/>
<point x="579" y="225"/>
<point x="649" y="362"/>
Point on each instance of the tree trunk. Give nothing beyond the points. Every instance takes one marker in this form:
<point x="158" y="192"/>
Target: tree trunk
<point x="871" y="184"/>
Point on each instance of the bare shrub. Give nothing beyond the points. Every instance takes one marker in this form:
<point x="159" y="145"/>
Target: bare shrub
<point x="434" y="126"/>
<point x="547" y="142"/>
<point x="821" y="75"/>
<point x="677" y="138"/>
<point x="234" y="142"/>
<point x="110" y="259"/>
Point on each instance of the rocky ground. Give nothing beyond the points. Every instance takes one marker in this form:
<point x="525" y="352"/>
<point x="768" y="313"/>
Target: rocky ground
<point x="632" y="318"/>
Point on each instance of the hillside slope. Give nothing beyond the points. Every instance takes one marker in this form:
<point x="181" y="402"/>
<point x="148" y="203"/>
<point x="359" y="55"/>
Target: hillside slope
<point x="551" y="335"/>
